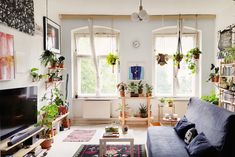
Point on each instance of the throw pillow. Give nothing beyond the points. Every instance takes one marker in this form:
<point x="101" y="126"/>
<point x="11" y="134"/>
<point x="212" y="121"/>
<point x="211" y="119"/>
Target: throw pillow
<point x="201" y="147"/>
<point x="183" y="126"/>
<point x="190" y="135"/>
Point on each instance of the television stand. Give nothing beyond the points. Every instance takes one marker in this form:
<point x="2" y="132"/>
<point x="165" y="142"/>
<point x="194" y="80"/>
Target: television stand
<point x="5" y="149"/>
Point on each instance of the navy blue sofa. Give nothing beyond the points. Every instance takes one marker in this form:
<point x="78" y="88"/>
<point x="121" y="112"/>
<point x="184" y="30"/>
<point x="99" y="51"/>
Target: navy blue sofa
<point x="217" y="124"/>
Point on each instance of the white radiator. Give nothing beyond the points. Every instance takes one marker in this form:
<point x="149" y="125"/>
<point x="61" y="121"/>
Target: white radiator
<point x="96" y="109"/>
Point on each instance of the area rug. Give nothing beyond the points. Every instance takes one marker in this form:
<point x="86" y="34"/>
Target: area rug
<point x="112" y="151"/>
<point x="80" y="136"/>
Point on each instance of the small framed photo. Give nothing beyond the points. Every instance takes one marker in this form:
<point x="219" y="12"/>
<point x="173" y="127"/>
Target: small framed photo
<point x="51" y="35"/>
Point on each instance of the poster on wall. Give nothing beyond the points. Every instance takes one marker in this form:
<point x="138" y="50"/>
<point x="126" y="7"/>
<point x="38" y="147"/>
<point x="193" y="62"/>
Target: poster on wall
<point x="18" y="14"/>
<point x="51" y="35"/>
<point x="136" y="72"/>
<point x="7" y="65"/>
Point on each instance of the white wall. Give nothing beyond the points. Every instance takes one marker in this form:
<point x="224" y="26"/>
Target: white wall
<point x="130" y="31"/>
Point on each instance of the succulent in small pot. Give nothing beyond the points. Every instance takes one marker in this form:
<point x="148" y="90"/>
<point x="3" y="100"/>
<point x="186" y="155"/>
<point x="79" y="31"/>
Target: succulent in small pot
<point x="112" y="59"/>
<point x="122" y="87"/>
<point x="143" y="111"/>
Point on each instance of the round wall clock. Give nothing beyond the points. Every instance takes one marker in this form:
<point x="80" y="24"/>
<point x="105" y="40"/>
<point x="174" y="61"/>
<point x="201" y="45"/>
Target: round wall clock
<point x="136" y="44"/>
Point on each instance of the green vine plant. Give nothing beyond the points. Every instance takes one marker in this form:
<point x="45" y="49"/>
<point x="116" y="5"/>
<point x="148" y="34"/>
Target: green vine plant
<point x="190" y="58"/>
<point x="112" y="59"/>
<point x="177" y="58"/>
<point x="36" y="76"/>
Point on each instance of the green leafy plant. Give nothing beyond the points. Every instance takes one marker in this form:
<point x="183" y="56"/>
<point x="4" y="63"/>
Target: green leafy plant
<point x="122" y="86"/>
<point x="194" y="53"/>
<point x="162" y="100"/>
<point x="214" y="75"/>
<point x="36" y="76"/>
<point x="140" y="87"/>
<point x="61" y="61"/>
<point x="149" y="89"/>
<point x="229" y="56"/>
<point x="190" y="59"/>
<point x="111" y="59"/>
<point x="212" y="98"/>
<point x="133" y="87"/>
<point x="143" y="111"/>
<point x="47" y="58"/>
<point x="177" y="58"/>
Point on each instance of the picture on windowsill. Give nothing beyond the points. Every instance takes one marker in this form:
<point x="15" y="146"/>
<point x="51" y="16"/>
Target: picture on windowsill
<point x="136" y="72"/>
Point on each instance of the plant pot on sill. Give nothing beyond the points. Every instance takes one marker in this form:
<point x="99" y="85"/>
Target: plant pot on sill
<point x="133" y="94"/>
<point x="46" y="144"/>
<point x="122" y="93"/>
<point x="63" y="110"/>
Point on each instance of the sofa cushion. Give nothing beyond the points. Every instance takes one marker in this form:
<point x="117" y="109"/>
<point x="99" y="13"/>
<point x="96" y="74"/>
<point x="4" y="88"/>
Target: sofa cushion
<point x="182" y="127"/>
<point x="201" y="147"/>
<point x="163" y="141"/>
<point x="190" y="135"/>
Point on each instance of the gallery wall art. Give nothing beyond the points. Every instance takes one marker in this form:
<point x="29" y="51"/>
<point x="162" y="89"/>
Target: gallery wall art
<point x="18" y="14"/>
<point x="7" y="63"/>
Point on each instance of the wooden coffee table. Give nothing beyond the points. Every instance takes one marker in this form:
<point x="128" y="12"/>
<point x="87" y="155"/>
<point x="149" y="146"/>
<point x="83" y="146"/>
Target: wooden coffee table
<point x="122" y="138"/>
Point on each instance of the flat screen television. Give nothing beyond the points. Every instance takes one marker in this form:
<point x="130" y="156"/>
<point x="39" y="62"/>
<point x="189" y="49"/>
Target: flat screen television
<point x="18" y="110"/>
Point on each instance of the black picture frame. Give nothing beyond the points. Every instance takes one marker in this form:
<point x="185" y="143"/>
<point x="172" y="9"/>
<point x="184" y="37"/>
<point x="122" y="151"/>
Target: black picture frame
<point x="52" y="35"/>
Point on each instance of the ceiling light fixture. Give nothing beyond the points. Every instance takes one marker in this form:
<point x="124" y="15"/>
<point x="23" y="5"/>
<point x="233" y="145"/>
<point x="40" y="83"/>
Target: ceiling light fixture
<point x="141" y="16"/>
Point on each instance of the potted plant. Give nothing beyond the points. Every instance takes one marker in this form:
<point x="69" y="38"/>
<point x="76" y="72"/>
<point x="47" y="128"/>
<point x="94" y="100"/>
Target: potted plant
<point x="35" y="75"/>
<point x="162" y="59"/>
<point x="212" y="98"/>
<point x="59" y="101"/>
<point x="143" y="111"/>
<point x="162" y="102"/>
<point x="54" y="62"/>
<point x="47" y="113"/>
<point x="170" y="102"/>
<point x="177" y="58"/>
<point x="51" y="76"/>
<point x="214" y="75"/>
<point x="111" y="59"/>
<point x="61" y="61"/>
<point x="149" y="90"/>
<point x="140" y="88"/>
<point x="133" y="89"/>
<point x="47" y="57"/>
<point x="194" y="53"/>
<point x="126" y="114"/>
<point x="229" y="55"/>
<point x="122" y="87"/>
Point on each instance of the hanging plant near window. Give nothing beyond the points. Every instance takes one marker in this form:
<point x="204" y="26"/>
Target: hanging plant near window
<point x="112" y="59"/>
<point x="194" y="53"/>
<point x="191" y="57"/>
<point x="162" y="59"/>
<point x="177" y="58"/>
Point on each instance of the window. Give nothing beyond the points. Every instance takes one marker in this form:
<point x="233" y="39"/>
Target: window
<point x="87" y="84"/>
<point x="165" y="83"/>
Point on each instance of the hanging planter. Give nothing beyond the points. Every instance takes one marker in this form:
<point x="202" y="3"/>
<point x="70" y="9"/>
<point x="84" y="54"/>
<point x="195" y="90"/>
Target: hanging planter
<point x="162" y="59"/>
<point x="177" y="58"/>
<point x="191" y="57"/>
<point x="112" y="59"/>
<point x="194" y="53"/>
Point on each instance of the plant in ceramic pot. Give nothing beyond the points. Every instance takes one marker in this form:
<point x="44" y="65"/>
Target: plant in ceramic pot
<point x="58" y="99"/>
<point x="143" y="111"/>
<point x="140" y="88"/>
<point x="133" y="89"/>
<point x="194" y="53"/>
<point x="149" y="89"/>
<point x="177" y="58"/>
<point x="47" y="114"/>
<point x="47" y="58"/>
<point x="122" y="87"/>
<point x="112" y="59"/>
<point x="61" y="61"/>
<point x="214" y="75"/>
<point x="126" y="113"/>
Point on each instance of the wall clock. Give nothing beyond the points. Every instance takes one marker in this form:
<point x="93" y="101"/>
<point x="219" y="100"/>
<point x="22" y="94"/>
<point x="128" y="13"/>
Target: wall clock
<point x="136" y="44"/>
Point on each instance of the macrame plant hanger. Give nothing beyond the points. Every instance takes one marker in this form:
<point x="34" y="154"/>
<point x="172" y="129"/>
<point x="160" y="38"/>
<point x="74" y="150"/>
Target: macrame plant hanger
<point x="196" y="31"/>
<point x="179" y="45"/>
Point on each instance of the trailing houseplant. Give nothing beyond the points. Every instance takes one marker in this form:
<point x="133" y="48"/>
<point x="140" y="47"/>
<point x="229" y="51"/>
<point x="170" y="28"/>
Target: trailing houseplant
<point x="47" y="57"/>
<point x="214" y="75"/>
<point x="177" y="58"/>
<point x="112" y="59"/>
<point x="59" y="100"/>
<point x="190" y="58"/>
<point x="149" y="89"/>
<point x="133" y="89"/>
<point x="194" y="53"/>
<point x="143" y="111"/>
<point x="122" y="87"/>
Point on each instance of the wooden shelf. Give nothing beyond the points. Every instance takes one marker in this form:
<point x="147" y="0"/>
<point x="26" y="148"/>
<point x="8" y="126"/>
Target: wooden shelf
<point x="227" y="76"/>
<point x="60" y="118"/>
<point x="23" y="151"/>
<point x="136" y="118"/>
<point x="56" y="68"/>
<point x="4" y="147"/>
<point x="143" y="97"/>
<point x="228" y="64"/>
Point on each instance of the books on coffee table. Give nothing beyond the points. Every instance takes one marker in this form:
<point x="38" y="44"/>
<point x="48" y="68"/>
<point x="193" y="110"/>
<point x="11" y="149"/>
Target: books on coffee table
<point x="110" y="134"/>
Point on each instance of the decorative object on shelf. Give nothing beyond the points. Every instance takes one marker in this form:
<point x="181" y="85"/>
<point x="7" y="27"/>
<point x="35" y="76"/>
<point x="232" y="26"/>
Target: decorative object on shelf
<point x="112" y="59"/>
<point x="51" y="35"/>
<point x="212" y="98"/>
<point x="214" y="75"/>
<point x="162" y="102"/>
<point x="133" y="89"/>
<point x="170" y="102"/>
<point x="126" y="113"/>
<point x="178" y="56"/>
<point x="162" y="58"/>
<point x="7" y="60"/>
<point x="36" y="76"/>
<point x="140" y="88"/>
<point x="136" y="72"/>
<point x="149" y="90"/>
<point x="143" y="111"/>
<point x="18" y="15"/>
<point x="61" y="61"/>
<point x="122" y="87"/>
<point x="125" y="129"/>
<point x="141" y="16"/>
<point x="226" y="37"/>
<point x="47" y="58"/>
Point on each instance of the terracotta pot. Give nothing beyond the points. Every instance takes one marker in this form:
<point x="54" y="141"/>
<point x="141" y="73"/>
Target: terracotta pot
<point x="197" y="56"/>
<point x="215" y="78"/>
<point x="148" y="94"/>
<point x="46" y="144"/>
<point x="53" y="65"/>
<point x="61" y="65"/>
<point x="50" y="79"/>
<point x="66" y="123"/>
<point x="133" y="94"/>
<point x="122" y="93"/>
<point x="63" y="110"/>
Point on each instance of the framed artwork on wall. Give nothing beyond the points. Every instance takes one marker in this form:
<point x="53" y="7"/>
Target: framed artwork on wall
<point x="51" y="35"/>
<point x="136" y="72"/>
<point x="7" y="62"/>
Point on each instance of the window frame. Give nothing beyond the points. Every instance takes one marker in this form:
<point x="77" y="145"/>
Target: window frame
<point x="77" y="69"/>
<point x="195" y="78"/>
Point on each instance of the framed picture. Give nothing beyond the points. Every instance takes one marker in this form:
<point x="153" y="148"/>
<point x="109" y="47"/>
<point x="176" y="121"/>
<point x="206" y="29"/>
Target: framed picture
<point x="51" y="35"/>
<point x="7" y="60"/>
<point x="136" y="72"/>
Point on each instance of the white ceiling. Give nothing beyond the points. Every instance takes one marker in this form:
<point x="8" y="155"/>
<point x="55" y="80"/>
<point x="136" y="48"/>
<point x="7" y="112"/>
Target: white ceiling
<point x="126" y="7"/>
